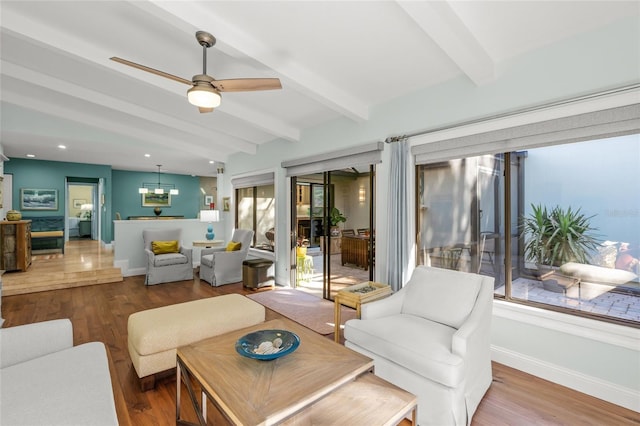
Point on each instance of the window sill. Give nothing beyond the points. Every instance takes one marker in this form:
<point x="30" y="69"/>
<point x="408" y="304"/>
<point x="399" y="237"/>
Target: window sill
<point x="614" y="334"/>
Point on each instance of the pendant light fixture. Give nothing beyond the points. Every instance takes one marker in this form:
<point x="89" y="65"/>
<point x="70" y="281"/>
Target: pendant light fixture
<point x="159" y="188"/>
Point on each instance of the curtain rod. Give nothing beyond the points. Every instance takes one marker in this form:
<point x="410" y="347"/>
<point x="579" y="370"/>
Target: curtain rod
<point x="594" y="95"/>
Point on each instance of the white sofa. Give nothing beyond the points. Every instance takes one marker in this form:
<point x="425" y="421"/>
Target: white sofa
<point x="45" y="380"/>
<point x="432" y="338"/>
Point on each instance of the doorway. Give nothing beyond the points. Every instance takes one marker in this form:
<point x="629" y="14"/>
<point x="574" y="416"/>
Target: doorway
<point x="332" y="225"/>
<point x="81" y="209"/>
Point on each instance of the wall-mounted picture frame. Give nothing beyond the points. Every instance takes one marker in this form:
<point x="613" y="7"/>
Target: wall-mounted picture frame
<point x="226" y="204"/>
<point x="78" y="202"/>
<point x="208" y="200"/>
<point x="156" y="200"/>
<point x="38" y="199"/>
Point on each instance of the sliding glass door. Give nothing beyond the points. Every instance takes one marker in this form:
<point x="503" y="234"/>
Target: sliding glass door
<point x="332" y="222"/>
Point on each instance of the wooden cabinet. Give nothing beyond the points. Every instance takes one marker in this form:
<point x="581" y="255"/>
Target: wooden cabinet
<point x="84" y="228"/>
<point x="15" y="241"/>
<point x="355" y="250"/>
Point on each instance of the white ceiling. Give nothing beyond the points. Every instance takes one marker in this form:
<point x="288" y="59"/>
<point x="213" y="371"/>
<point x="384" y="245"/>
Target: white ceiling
<point x="334" y="59"/>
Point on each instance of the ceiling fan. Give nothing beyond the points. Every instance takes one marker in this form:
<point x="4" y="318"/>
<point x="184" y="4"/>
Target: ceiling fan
<point x="205" y="90"/>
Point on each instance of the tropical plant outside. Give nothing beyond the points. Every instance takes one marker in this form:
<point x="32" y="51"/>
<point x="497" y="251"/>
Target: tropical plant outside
<point x="554" y="237"/>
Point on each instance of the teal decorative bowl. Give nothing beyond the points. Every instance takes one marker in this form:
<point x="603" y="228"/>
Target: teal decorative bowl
<point x="248" y="345"/>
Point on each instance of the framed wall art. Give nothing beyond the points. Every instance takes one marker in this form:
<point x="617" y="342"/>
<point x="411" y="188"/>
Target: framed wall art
<point x="208" y="200"/>
<point x="78" y="202"/>
<point x="156" y="200"/>
<point x="38" y="199"/>
<point x="226" y="204"/>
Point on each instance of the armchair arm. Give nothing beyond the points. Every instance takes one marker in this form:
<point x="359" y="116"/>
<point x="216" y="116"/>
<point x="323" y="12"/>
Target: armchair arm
<point x="187" y="252"/>
<point x="473" y="338"/>
<point x="206" y="251"/>
<point x="391" y="305"/>
<point x="25" y="342"/>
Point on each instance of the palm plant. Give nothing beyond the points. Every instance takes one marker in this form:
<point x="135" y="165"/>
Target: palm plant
<point x="557" y="236"/>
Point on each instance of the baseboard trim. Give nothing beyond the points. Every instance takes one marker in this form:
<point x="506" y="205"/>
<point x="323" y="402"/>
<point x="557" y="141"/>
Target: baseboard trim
<point x="607" y="391"/>
<point x="126" y="272"/>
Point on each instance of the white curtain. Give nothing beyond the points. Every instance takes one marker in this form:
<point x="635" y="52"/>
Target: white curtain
<point x="398" y="205"/>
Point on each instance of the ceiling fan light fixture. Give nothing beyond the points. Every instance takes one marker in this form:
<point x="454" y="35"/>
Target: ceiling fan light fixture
<point x="204" y="96"/>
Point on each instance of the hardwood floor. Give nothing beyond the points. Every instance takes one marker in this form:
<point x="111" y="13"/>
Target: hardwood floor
<point x="84" y="262"/>
<point x="100" y="312"/>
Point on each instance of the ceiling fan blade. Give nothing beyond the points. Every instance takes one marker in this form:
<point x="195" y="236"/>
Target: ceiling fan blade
<point x="152" y="70"/>
<point x="246" y="84"/>
<point x="203" y="110"/>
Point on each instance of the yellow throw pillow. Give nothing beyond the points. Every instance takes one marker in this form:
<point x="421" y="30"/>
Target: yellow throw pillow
<point x="164" y="247"/>
<point x="233" y="246"/>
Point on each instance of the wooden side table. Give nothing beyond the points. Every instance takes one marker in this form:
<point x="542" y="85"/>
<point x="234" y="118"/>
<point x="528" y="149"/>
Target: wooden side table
<point x="207" y="243"/>
<point x="356" y="295"/>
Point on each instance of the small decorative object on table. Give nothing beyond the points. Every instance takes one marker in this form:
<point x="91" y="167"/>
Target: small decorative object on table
<point x="157" y="211"/>
<point x="13" y="215"/>
<point x="267" y="344"/>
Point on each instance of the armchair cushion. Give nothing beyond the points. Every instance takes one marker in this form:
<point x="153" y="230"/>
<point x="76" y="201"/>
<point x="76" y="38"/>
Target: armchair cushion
<point x="234" y="246"/>
<point x="433" y="295"/>
<point x="169" y="259"/>
<point x="396" y="338"/>
<point x="163" y="247"/>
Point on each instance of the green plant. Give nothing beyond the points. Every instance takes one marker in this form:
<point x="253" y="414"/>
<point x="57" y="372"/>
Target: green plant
<point x="554" y="237"/>
<point x="336" y="217"/>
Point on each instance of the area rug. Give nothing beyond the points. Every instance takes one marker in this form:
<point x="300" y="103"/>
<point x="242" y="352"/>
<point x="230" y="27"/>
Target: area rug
<point x="310" y="311"/>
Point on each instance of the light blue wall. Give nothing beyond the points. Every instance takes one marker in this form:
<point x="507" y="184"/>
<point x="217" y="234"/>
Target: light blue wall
<point x="600" y="177"/>
<point x="29" y="173"/>
<point x="603" y="59"/>
<point x="128" y="202"/>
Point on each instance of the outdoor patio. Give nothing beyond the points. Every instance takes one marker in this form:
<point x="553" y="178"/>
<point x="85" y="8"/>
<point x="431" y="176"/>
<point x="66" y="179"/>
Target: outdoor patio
<point x="588" y="297"/>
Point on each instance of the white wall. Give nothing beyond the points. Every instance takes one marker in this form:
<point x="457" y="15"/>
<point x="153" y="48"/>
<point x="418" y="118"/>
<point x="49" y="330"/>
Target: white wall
<point x="587" y="64"/>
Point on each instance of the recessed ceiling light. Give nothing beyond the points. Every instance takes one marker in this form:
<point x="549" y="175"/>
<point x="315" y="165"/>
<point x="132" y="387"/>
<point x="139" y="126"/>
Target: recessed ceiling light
<point x="211" y="161"/>
<point x="62" y="147"/>
<point x="147" y="155"/>
<point x="31" y="156"/>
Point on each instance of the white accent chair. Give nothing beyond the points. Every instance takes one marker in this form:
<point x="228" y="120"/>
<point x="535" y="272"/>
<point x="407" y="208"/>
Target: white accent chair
<point x="219" y="267"/>
<point x="169" y="267"/>
<point x="432" y="338"/>
<point x="48" y="381"/>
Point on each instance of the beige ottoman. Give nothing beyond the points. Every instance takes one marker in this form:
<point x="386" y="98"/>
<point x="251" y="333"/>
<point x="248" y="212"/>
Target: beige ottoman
<point x="155" y="334"/>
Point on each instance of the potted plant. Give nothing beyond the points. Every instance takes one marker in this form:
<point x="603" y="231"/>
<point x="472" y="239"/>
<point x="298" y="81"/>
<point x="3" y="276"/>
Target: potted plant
<point x="336" y="217"/>
<point x="557" y="236"/>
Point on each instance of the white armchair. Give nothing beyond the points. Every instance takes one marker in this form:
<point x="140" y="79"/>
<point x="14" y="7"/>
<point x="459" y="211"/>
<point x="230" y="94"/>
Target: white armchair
<point x="166" y="267"/>
<point x="432" y="338"/>
<point x="47" y="380"/>
<point x="219" y="267"/>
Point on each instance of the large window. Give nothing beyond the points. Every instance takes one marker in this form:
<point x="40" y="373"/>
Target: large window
<point x="256" y="210"/>
<point x="571" y="213"/>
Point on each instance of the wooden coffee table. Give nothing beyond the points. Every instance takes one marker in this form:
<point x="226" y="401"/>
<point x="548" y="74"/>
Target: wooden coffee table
<point x="252" y="392"/>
